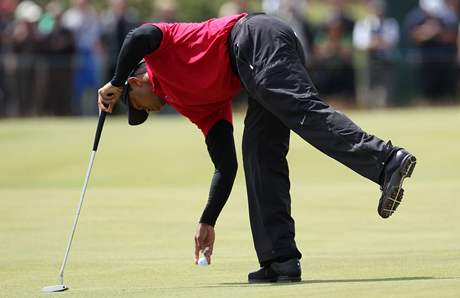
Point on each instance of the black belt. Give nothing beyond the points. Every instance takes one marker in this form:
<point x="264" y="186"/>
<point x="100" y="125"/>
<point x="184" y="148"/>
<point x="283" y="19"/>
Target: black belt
<point x="234" y="30"/>
<point x="245" y="18"/>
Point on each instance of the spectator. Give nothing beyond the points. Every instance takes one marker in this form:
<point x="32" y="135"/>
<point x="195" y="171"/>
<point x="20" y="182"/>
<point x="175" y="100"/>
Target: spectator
<point x="378" y="35"/>
<point x="432" y="34"/>
<point x="117" y="21"/>
<point x="166" y="11"/>
<point x="233" y="7"/>
<point x="7" y="8"/>
<point x="453" y="11"/>
<point x="292" y="11"/>
<point x="339" y="12"/>
<point x="332" y="62"/>
<point x="24" y="41"/>
<point x="271" y="6"/>
<point x="58" y="49"/>
<point x="83" y="21"/>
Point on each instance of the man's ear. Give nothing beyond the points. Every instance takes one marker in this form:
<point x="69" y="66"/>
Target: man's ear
<point x="133" y="81"/>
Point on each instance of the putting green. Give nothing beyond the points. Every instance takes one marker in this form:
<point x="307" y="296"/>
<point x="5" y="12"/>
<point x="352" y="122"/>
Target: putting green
<point x="149" y="184"/>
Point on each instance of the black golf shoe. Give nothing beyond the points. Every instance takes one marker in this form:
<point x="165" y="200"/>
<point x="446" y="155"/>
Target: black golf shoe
<point x="288" y="271"/>
<point x="400" y="166"/>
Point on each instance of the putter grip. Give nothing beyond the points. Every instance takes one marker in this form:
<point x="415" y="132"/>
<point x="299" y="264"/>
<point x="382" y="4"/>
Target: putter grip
<point x="100" y="125"/>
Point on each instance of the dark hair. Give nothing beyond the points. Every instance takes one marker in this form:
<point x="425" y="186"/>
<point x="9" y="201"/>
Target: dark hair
<point x="140" y="68"/>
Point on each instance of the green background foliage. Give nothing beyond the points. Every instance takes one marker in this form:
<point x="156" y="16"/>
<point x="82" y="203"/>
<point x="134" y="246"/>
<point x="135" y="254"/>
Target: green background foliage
<point x="188" y="10"/>
<point x="196" y="10"/>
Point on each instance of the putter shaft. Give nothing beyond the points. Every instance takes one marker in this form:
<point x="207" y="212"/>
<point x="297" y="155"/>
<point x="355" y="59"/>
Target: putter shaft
<point x="80" y="204"/>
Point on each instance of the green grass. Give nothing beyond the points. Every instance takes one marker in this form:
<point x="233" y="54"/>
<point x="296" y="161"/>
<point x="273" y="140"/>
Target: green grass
<point x="149" y="184"/>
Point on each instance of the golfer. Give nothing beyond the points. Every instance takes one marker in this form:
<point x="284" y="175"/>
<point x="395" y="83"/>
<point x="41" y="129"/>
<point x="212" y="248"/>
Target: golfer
<point x="197" y="68"/>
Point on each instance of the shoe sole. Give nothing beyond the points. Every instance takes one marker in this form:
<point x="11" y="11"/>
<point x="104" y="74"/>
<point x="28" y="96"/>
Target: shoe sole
<point x="280" y="279"/>
<point x="392" y="196"/>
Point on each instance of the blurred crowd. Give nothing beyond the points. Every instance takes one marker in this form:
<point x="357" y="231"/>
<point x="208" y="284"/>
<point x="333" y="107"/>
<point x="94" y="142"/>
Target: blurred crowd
<point x="358" y="59"/>
<point x="53" y="58"/>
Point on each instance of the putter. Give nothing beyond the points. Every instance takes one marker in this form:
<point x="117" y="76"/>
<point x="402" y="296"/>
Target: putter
<point x="61" y="287"/>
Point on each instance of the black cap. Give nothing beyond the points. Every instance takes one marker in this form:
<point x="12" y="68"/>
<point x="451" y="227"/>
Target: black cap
<point x="135" y="117"/>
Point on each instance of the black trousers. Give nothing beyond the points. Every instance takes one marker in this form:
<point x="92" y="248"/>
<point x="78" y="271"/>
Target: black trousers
<point x="269" y="60"/>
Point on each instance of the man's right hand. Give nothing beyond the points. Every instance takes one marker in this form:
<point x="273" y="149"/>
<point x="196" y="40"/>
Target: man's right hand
<point x="108" y="96"/>
<point x="204" y="241"/>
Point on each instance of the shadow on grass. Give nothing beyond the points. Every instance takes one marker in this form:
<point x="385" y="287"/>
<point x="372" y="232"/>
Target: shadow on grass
<point x="293" y="284"/>
<point x="321" y="281"/>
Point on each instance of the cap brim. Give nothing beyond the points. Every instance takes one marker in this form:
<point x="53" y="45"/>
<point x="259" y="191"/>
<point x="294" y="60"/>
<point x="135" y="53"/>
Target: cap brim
<point x="135" y="117"/>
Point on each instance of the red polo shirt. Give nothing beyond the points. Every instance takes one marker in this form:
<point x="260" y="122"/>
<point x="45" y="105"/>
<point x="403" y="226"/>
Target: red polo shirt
<point x="191" y="70"/>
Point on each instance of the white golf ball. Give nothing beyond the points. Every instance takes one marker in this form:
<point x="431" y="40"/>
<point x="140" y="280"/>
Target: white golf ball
<point x="203" y="261"/>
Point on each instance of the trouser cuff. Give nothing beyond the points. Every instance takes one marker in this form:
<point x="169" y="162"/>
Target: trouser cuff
<point x="279" y="255"/>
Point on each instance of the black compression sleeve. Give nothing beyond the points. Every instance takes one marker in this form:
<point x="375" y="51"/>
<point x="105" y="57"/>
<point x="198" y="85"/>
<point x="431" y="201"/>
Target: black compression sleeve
<point x="139" y="42"/>
<point x="221" y="148"/>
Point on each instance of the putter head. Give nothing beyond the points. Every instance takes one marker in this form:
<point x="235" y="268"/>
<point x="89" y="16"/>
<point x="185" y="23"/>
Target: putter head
<point x="56" y="288"/>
